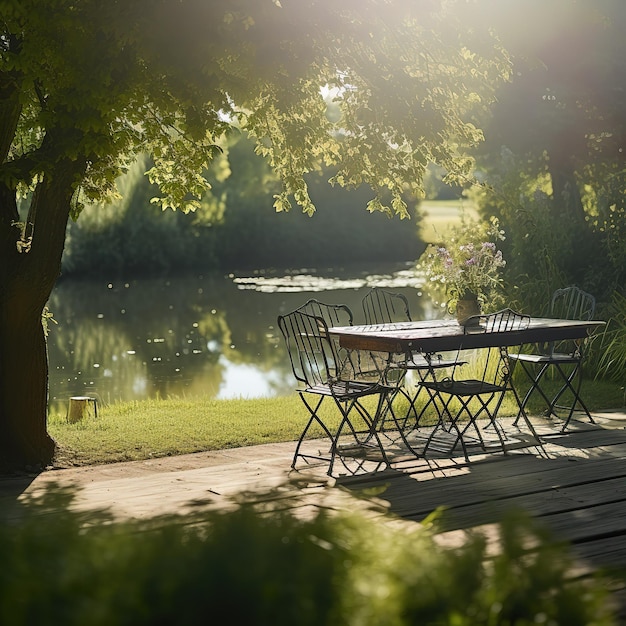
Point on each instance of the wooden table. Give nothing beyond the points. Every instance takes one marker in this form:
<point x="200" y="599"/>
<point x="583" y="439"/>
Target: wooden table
<point x="430" y="336"/>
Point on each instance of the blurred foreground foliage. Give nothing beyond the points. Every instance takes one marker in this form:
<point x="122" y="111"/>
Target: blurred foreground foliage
<point x="253" y="565"/>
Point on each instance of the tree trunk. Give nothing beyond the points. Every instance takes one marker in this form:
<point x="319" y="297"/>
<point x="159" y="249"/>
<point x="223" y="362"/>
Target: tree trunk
<point x="24" y="440"/>
<point x="565" y="191"/>
<point x="26" y="281"/>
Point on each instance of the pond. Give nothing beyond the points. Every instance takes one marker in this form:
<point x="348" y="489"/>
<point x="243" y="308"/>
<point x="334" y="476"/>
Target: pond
<point x="195" y="335"/>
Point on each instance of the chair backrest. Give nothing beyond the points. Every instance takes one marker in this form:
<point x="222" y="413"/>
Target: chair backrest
<point x="501" y="321"/>
<point x="332" y="314"/>
<point x="311" y="351"/>
<point x="572" y="303"/>
<point x="381" y="306"/>
<point x="494" y="362"/>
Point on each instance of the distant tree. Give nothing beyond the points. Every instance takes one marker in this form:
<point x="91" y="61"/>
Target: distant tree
<point x="556" y="137"/>
<point x="87" y="85"/>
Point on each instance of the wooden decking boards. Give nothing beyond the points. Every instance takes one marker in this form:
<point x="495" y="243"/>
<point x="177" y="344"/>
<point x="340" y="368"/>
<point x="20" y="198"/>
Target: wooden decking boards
<point x="576" y="485"/>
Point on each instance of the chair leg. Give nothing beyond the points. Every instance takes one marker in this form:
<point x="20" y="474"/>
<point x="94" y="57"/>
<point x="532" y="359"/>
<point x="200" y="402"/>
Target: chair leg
<point x="314" y="418"/>
<point x="429" y="402"/>
<point x="572" y="381"/>
<point x="386" y="412"/>
<point x="370" y="433"/>
<point x="574" y="375"/>
<point x="521" y="412"/>
<point x="473" y="421"/>
<point x="435" y="397"/>
<point x="400" y="428"/>
<point x="535" y="378"/>
<point x="491" y="415"/>
<point x="474" y="417"/>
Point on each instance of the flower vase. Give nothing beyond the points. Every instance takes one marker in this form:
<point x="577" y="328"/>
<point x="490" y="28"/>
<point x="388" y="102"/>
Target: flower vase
<point x="467" y="307"/>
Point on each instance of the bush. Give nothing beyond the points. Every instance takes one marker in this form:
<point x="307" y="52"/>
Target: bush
<point x="249" y="566"/>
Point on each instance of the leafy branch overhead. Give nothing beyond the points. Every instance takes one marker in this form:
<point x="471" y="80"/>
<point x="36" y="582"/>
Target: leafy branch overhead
<point x="170" y="79"/>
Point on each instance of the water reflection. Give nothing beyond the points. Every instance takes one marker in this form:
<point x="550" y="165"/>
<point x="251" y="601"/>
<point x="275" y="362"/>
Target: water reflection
<point x="191" y="335"/>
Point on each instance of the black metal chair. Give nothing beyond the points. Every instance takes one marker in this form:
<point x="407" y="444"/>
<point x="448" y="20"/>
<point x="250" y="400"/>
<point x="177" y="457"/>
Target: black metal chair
<point x="354" y="364"/>
<point x="333" y="315"/>
<point x="318" y="370"/>
<point x="484" y="392"/>
<point x="563" y="359"/>
<point x="381" y="306"/>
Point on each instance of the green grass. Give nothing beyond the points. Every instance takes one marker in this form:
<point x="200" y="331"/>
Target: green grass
<point x="134" y="431"/>
<point x="439" y="215"/>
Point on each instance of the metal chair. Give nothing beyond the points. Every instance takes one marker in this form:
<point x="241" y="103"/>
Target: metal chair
<point x="485" y="391"/>
<point x="337" y="315"/>
<point x="381" y="306"/>
<point x="318" y="371"/>
<point x="564" y="359"/>
<point x="332" y="314"/>
<point x="357" y="365"/>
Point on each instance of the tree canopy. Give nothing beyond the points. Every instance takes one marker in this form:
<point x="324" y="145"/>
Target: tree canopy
<point x="168" y="78"/>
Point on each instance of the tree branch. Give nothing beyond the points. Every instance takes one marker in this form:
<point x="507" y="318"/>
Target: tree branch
<point x="10" y="106"/>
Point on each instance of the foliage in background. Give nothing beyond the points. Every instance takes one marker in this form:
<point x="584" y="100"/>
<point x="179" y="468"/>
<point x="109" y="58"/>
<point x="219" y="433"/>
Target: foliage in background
<point x="554" y="159"/>
<point x="235" y="226"/>
<point x="256" y="565"/>
<point x="544" y="250"/>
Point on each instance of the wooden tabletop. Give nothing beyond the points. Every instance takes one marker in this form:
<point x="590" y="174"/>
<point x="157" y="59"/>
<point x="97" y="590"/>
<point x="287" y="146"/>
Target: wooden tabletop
<point x="441" y="335"/>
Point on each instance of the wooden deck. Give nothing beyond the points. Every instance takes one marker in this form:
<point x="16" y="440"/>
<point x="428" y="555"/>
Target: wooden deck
<point x="577" y="488"/>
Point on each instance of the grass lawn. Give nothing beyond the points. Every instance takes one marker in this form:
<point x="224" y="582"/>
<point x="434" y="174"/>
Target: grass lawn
<point x="155" y="428"/>
<point x="439" y="215"/>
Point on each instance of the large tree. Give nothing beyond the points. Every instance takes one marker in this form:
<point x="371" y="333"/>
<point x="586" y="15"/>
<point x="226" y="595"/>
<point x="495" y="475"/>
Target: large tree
<point x="87" y="85"/>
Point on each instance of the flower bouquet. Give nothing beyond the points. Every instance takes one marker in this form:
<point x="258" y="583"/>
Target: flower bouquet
<point x="467" y="268"/>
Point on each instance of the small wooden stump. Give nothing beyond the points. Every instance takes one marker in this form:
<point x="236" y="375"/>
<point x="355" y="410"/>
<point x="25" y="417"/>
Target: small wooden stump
<point x="79" y="408"/>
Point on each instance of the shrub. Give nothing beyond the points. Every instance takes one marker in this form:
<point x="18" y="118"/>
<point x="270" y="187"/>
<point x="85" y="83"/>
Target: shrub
<point x="251" y="566"/>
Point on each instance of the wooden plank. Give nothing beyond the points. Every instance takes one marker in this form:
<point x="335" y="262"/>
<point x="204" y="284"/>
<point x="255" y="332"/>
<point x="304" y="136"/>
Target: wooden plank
<point x="590" y="521"/>
<point x="609" y="552"/>
<point x="483" y="482"/>
<point x="574" y="503"/>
